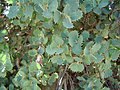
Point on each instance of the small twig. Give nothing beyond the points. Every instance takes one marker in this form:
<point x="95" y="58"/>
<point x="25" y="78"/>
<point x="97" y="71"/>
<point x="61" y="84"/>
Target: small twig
<point x="61" y="78"/>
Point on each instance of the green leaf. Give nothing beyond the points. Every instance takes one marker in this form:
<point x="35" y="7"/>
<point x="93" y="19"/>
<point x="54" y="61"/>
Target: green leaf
<point x="8" y="63"/>
<point x="87" y="60"/>
<point x="47" y="14"/>
<point x="65" y="36"/>
<point x="97" y="10"/>
<point x="98" y="39"/>
<point x="13" y="12"/>
<point x="97" y="58"/>
<point x="107" y="73"/>
<point x="86" y="51"/>
<point x="33" y="67"/>
<point x="89" y="8"/>
<point x="85" y="35"/>
<point x="26" y="83"/>
<point x="2" y="87"/>
<point x="67" y="22"/>
<point x="114" y="54"/>
<point x="80" y="39"/>
<point x="76" y="15"/>
<point x="32" y="52"/>
<point x="76" y="49"/>
<point x="115" y="42"/>
<point x="41" y="50"/>
<point x="36" y="40"/>
<point x="73" y="5"/>
<point x="37" y="32"/>
<point x="95" y="47"/>
<point x="57" y="16"/>
<point x="28" y="11"/>
<point x="37" y="1"/>
<point x="44" y="80"/>
<point x="103" y="3"/>
<point x="38" y="9"/>
<point x="11" y="87"/>
<point x="57" y="40"/>
<point x="49" y="50"/>
<point x="59" y="50"/>
<point x="52" y="78"/>
<point x="105" y="88"/>
<point x="3" y="33"/>
<point x="73" y="38"/>
<point x="69" y="59"/>
<point x="87" y="48"/>
<point x="53" y="5"/>
<point x="76" y="67"/>
<point x="57" y="59"/>
<point x="67" y="9"/>
<point x="77" y="59"/>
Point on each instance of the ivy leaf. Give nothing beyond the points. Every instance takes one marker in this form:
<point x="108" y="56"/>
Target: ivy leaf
<point x="37" y="32"/>
<point x="49" y="50"/>
<point x="87" y="60"/>
<point x="2" y="87"/>
<point x="32" y="52"/>
<point x="57" y="40"/>
<point x="107" y="73"/>
<point x="85" y="35"/>
<point x="48" y="24"/>
<point x="11" y="87"/>
<point x="98" y="39"/>
<point x="57" y="16"/>
<point x="52" y="78"/>
<point x="28" y="11"/>
<point x="33" y="67"/>
<point x="76" y="49"/>
<point x="114" y="54"/>
<point x="73" y="38"/>
<point x="3" y="33"/>
<point x="44" y="80"/>
<point x="8" y="63"/>
<point x="77" y="59"/>
<point x="59" y="50"/>
<point x="103" y="3"/>
<point x="86" y="51"/>
<point x="97" y="10"/>
<point x="37" y="1"/>
<point x="87" y="48"/>
<point x="69" y="59"/>
<point x="47" y="14"/>
<point x="13" y="12"/>
<point x="80" y="39"/>
<point x="38" y="9"/>
<point x="89" y="8"/>
<point x="41" y="50"/>
<point x="67" y="22"/>
<point x="105" y="88"/>
<point x="97" y="58"/>
<point x="115" y="42"/>
<point x="53" y="5"/>
<point x="57" y="59"/>
<point x="67" y="9"/>
<point x="76" y="67"/>
<point x="76" y="15"/>
<point x="65" y="36"/>
<point x="95" y="47"/>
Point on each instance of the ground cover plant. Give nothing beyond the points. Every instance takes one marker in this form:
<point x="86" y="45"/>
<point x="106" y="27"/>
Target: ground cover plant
<point x="59" y="45"/>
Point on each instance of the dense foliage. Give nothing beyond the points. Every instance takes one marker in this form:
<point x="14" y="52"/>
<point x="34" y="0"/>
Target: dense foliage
<point x="59" y="44"/>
